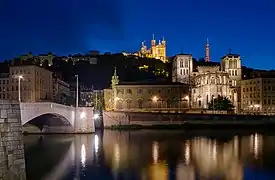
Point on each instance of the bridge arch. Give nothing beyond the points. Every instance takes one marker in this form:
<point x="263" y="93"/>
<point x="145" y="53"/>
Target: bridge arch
<point x="30" y="111"/>
<point x="48" y="123"/>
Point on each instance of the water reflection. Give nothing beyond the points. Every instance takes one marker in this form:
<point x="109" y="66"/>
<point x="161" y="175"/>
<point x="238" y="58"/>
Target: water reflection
<point x="83" y="155"/>
<point x="155" y="152"/>
<point x="149" y="155"/>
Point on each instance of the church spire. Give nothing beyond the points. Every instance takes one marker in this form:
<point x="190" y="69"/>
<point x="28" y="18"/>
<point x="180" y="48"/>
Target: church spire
<point x="115" y="78"/>
<point x="207" y="53"/>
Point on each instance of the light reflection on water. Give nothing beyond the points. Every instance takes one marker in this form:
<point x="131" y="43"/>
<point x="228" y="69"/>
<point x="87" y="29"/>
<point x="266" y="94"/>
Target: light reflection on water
<point x="150" y="155"/>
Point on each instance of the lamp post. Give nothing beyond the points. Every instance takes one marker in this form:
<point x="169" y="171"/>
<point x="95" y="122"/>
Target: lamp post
<point x="76" y="103"/>
<point x="213" y="104"/>
<point x="19" y="89"/>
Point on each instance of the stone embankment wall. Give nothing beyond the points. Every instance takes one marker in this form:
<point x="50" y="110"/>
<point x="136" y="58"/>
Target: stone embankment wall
<point x="145" y="118"/>
<point x="84" y="122"/>
<point x="12" y="161"/>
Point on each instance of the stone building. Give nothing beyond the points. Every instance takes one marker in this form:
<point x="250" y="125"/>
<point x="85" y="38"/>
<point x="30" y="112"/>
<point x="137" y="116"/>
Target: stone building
<point x="207" y="79"/>
<point x="61" y="90"/>
<point x="146" y="96"/>
<point x="258" y="93"/>
<point x="209" y="83"/>
<point x="41" y="57"/>
<point x="35" y="84"/>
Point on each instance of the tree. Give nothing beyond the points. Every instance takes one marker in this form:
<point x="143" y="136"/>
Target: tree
<point x="98" y="100"/>
<point x="45" y="64"/>
<point x="220" y="103"/>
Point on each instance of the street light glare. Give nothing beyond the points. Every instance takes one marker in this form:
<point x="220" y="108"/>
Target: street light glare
<point x="83" y="115"/>
<point x="96" y="116"/>
<point x="20" y="77"/>
<point x="155" y="98"/>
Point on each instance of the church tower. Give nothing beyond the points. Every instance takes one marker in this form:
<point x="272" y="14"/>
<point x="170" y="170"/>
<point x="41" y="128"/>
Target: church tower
<point x="153" y="41"/>
<point x="163" y="42"/>
<point x="143" y="48"/>
<point x="207" y="53"/>
<point x="115" y="79"/>
<point x="153" y="47"/>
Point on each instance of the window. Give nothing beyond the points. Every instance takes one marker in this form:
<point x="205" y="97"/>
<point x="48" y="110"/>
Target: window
<point x="128" y="104"/>
<point x="181" y="63"/>
<point x="129" y="91"/>
<point x="139" y="103"/>
<point x="139" y="91"/>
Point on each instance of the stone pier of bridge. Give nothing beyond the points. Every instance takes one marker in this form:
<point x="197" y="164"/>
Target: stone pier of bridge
<point x="12" y="162"/>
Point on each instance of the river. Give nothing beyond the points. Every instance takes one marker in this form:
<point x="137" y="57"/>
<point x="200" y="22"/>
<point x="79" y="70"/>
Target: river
<point x="151" y="155"/>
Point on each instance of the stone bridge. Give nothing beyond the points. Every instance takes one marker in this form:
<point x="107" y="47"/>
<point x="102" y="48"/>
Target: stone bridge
<point x="57" y="118"/>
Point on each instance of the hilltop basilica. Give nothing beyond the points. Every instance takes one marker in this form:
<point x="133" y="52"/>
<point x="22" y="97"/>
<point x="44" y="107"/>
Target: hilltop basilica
<point x="157" y="51"/>
<point x="208" y="80"/>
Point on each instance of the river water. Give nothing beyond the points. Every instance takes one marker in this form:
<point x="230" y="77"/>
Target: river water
<point x="151" y="155"/>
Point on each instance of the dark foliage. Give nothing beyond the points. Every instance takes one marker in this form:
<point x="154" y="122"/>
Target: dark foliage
<point x="221" y="103"/>
<point x="99" y="75"/>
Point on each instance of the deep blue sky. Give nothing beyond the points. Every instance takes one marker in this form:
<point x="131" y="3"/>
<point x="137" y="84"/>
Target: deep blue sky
<point x="71" y="26"/>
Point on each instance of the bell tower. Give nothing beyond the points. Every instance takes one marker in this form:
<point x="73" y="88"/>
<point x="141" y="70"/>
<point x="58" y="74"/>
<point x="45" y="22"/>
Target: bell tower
<point x="115" y="79"/>
<point x="153" y="47"/>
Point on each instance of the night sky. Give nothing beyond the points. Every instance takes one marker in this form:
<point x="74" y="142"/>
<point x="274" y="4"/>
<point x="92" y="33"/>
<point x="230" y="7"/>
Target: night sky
<point x="72" y="26"/>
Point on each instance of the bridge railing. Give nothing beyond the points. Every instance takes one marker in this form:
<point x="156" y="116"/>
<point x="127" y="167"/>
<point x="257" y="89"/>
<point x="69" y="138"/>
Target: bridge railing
<point x="46" y="105"/>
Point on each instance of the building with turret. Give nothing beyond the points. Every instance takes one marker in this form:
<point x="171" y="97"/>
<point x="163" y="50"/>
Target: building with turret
<point x="145" y="96"/>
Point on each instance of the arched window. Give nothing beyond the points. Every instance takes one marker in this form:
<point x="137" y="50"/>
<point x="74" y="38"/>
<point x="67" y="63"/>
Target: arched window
<point x="128" y="104"/>
<point x="140" y="102"/>
<point x="119" y="105"/>
<point x="199" y="103"/>
<point x="212" y="80"/>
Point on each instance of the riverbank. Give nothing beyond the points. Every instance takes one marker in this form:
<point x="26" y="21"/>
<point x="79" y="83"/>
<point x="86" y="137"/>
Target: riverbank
<point x="141" y="120"/>
<point x="190" y="126"/>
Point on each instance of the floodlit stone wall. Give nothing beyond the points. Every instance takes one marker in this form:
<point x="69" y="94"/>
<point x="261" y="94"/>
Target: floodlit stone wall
<point x="12" y="162"/>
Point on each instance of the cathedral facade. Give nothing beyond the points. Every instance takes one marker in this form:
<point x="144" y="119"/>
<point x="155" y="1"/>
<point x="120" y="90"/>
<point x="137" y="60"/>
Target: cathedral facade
<point x="207" y="79"/>
<point x="157" y="51"/>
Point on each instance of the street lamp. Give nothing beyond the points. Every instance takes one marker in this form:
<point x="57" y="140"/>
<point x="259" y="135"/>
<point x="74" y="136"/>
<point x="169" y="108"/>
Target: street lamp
<point x="76" y="103"/>
<point x="155" y="98"/>
<point x="19" y="89"/>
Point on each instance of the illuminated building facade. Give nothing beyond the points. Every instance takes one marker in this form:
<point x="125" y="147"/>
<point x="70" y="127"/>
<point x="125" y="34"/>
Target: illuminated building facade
<point x="258" y="94"/>
<point x="145" y="96"/>
<point x="209" y="79"/>
<point x="157" y="50"/>
<point x="39" y="59"/>
<point x="36" y="84"/>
